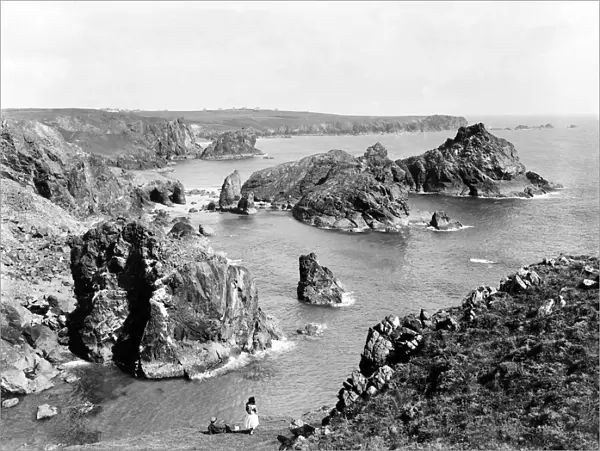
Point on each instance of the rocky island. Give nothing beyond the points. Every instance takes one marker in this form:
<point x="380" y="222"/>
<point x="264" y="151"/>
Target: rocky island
<point x="232" y="145"/>
<point x="474" y="163"/>
<point x="337" y="190"/>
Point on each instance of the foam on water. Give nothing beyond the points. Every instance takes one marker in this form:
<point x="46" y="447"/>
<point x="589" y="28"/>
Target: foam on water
<point x="481" y="260"/>
<point x="245" y="358"/>
<point x="433" y="229"/>
<point x="347" y="300"/>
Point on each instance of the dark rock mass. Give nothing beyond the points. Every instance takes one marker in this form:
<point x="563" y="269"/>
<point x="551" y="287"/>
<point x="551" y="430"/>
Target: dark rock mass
<point x="441" y="221"/>
<point x="232" y="145"/>
<point x="37" y="156"/>
<point x="246" y="204"/>
<point x="161" y="307"/>
<point x="230" y="192"/>
<point x="123" y="140"/>
<point x="474" y="163"/>
<point x="317" y="283"/>
<point x="337" y="190"/>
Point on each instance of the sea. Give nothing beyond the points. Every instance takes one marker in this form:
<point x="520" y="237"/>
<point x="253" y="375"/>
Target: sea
<point x="384" y="274"/>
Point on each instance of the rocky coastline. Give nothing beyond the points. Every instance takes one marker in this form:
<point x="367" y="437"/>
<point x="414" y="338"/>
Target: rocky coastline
<point x="88" y="273"/>
<point x="530" y="344"/>
<point x="119" y="291"/>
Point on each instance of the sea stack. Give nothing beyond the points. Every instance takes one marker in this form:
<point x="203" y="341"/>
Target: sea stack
<point x="230" y="192"/>
<point x="317" y="283"/>
<point x="441" y="221"/>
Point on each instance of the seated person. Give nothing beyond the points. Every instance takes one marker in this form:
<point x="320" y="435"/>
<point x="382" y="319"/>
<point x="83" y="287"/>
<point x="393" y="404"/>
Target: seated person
<point x="214" y="428"/>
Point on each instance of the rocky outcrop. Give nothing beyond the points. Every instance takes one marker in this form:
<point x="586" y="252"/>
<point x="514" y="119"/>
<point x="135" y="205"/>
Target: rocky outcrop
<point x="337" y="190"/>
<point x="474" y="163"/>
<point x="123" y="140"/>
<point x="534" y="127"/>
<point x="161" y="307"/>
<point x="232" y="145"/>
<point x="317" y="283"/>
<point x="391" y="344"/>
<point x="163" y="191"/>
<point x="23" y="370"/>
<point x="246" y="204"/>
<point x="441" y="221"/>
<point x="230" y="192"/>
<point x="37" y="157"/>
<point x="290" y="181"/>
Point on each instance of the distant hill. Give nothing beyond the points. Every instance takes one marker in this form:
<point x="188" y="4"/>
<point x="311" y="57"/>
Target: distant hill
<point x="209" y="123"/>
<point x="139" y="139"/>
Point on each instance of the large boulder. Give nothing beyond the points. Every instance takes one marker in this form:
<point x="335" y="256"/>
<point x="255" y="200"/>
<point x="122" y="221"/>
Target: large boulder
<point x="230" y="192"/>
<point x="161" y="307"/>
<point x="317" y="283"/>
<point x="246" y="204"/>
<point x="474" y="163"/>
<point x="441" y="221"/>
<point x="232" y="145"/>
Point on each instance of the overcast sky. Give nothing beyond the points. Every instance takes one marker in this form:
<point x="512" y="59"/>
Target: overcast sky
<point x="339" y="57"/>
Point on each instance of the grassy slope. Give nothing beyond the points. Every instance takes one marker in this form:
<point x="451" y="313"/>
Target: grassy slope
<point x="511" y="379"/>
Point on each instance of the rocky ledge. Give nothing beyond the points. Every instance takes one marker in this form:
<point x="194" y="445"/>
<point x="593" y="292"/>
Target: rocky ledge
<point x="474" y="163"/>
<point x="524" y="354"/>
<point x="336" y="190"/>
<point x="161" y="307"/>
<point x="232" y="145"/>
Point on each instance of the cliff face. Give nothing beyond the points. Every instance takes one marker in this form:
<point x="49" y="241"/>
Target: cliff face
<point x="123" y="140"/>
<point x="232" y="146"/>
<point x="474" y="163"/>
<point x="35" y="155"/>
<point x="160" y="307"/>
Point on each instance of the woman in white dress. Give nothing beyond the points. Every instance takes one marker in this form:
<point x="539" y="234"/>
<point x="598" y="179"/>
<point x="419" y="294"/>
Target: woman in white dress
<point x="251" y="421"/>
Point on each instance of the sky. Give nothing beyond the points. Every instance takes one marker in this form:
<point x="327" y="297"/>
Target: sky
<point x="373" y="58"/>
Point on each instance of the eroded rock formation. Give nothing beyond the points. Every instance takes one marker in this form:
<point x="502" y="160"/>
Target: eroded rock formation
<point x="317" y="283"/>
<point x="337" y="190"/>
<point x="441" y="221"/>
<point x="474" y="163"/>
<point x="230" y="192"/>
<point x="161" y="307"/>
<point x="232" y="145"/>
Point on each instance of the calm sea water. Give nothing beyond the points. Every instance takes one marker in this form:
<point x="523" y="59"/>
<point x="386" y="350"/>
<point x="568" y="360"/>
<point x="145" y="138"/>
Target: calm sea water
<point x="387" y="273"/>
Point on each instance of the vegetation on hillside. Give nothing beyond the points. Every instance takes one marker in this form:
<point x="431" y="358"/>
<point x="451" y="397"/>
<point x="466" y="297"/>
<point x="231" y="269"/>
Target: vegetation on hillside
<point x="518" y="375"/>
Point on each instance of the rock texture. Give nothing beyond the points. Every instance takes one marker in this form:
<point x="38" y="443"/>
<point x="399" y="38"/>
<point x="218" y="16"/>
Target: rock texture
<point x="441" y="221"/>
<point x="230" y="192"/>
<point x="232" y="145"/>
<point x="161" y="307"/>
<point x="337" y="190"/>
<point x="37" y="157"/>
<point x="246" y="204"/>
<point x="317" y="283"/>
<point x="124" y="140"/>
<point x="395" y="341"/>
<point x="474" y="163"/>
